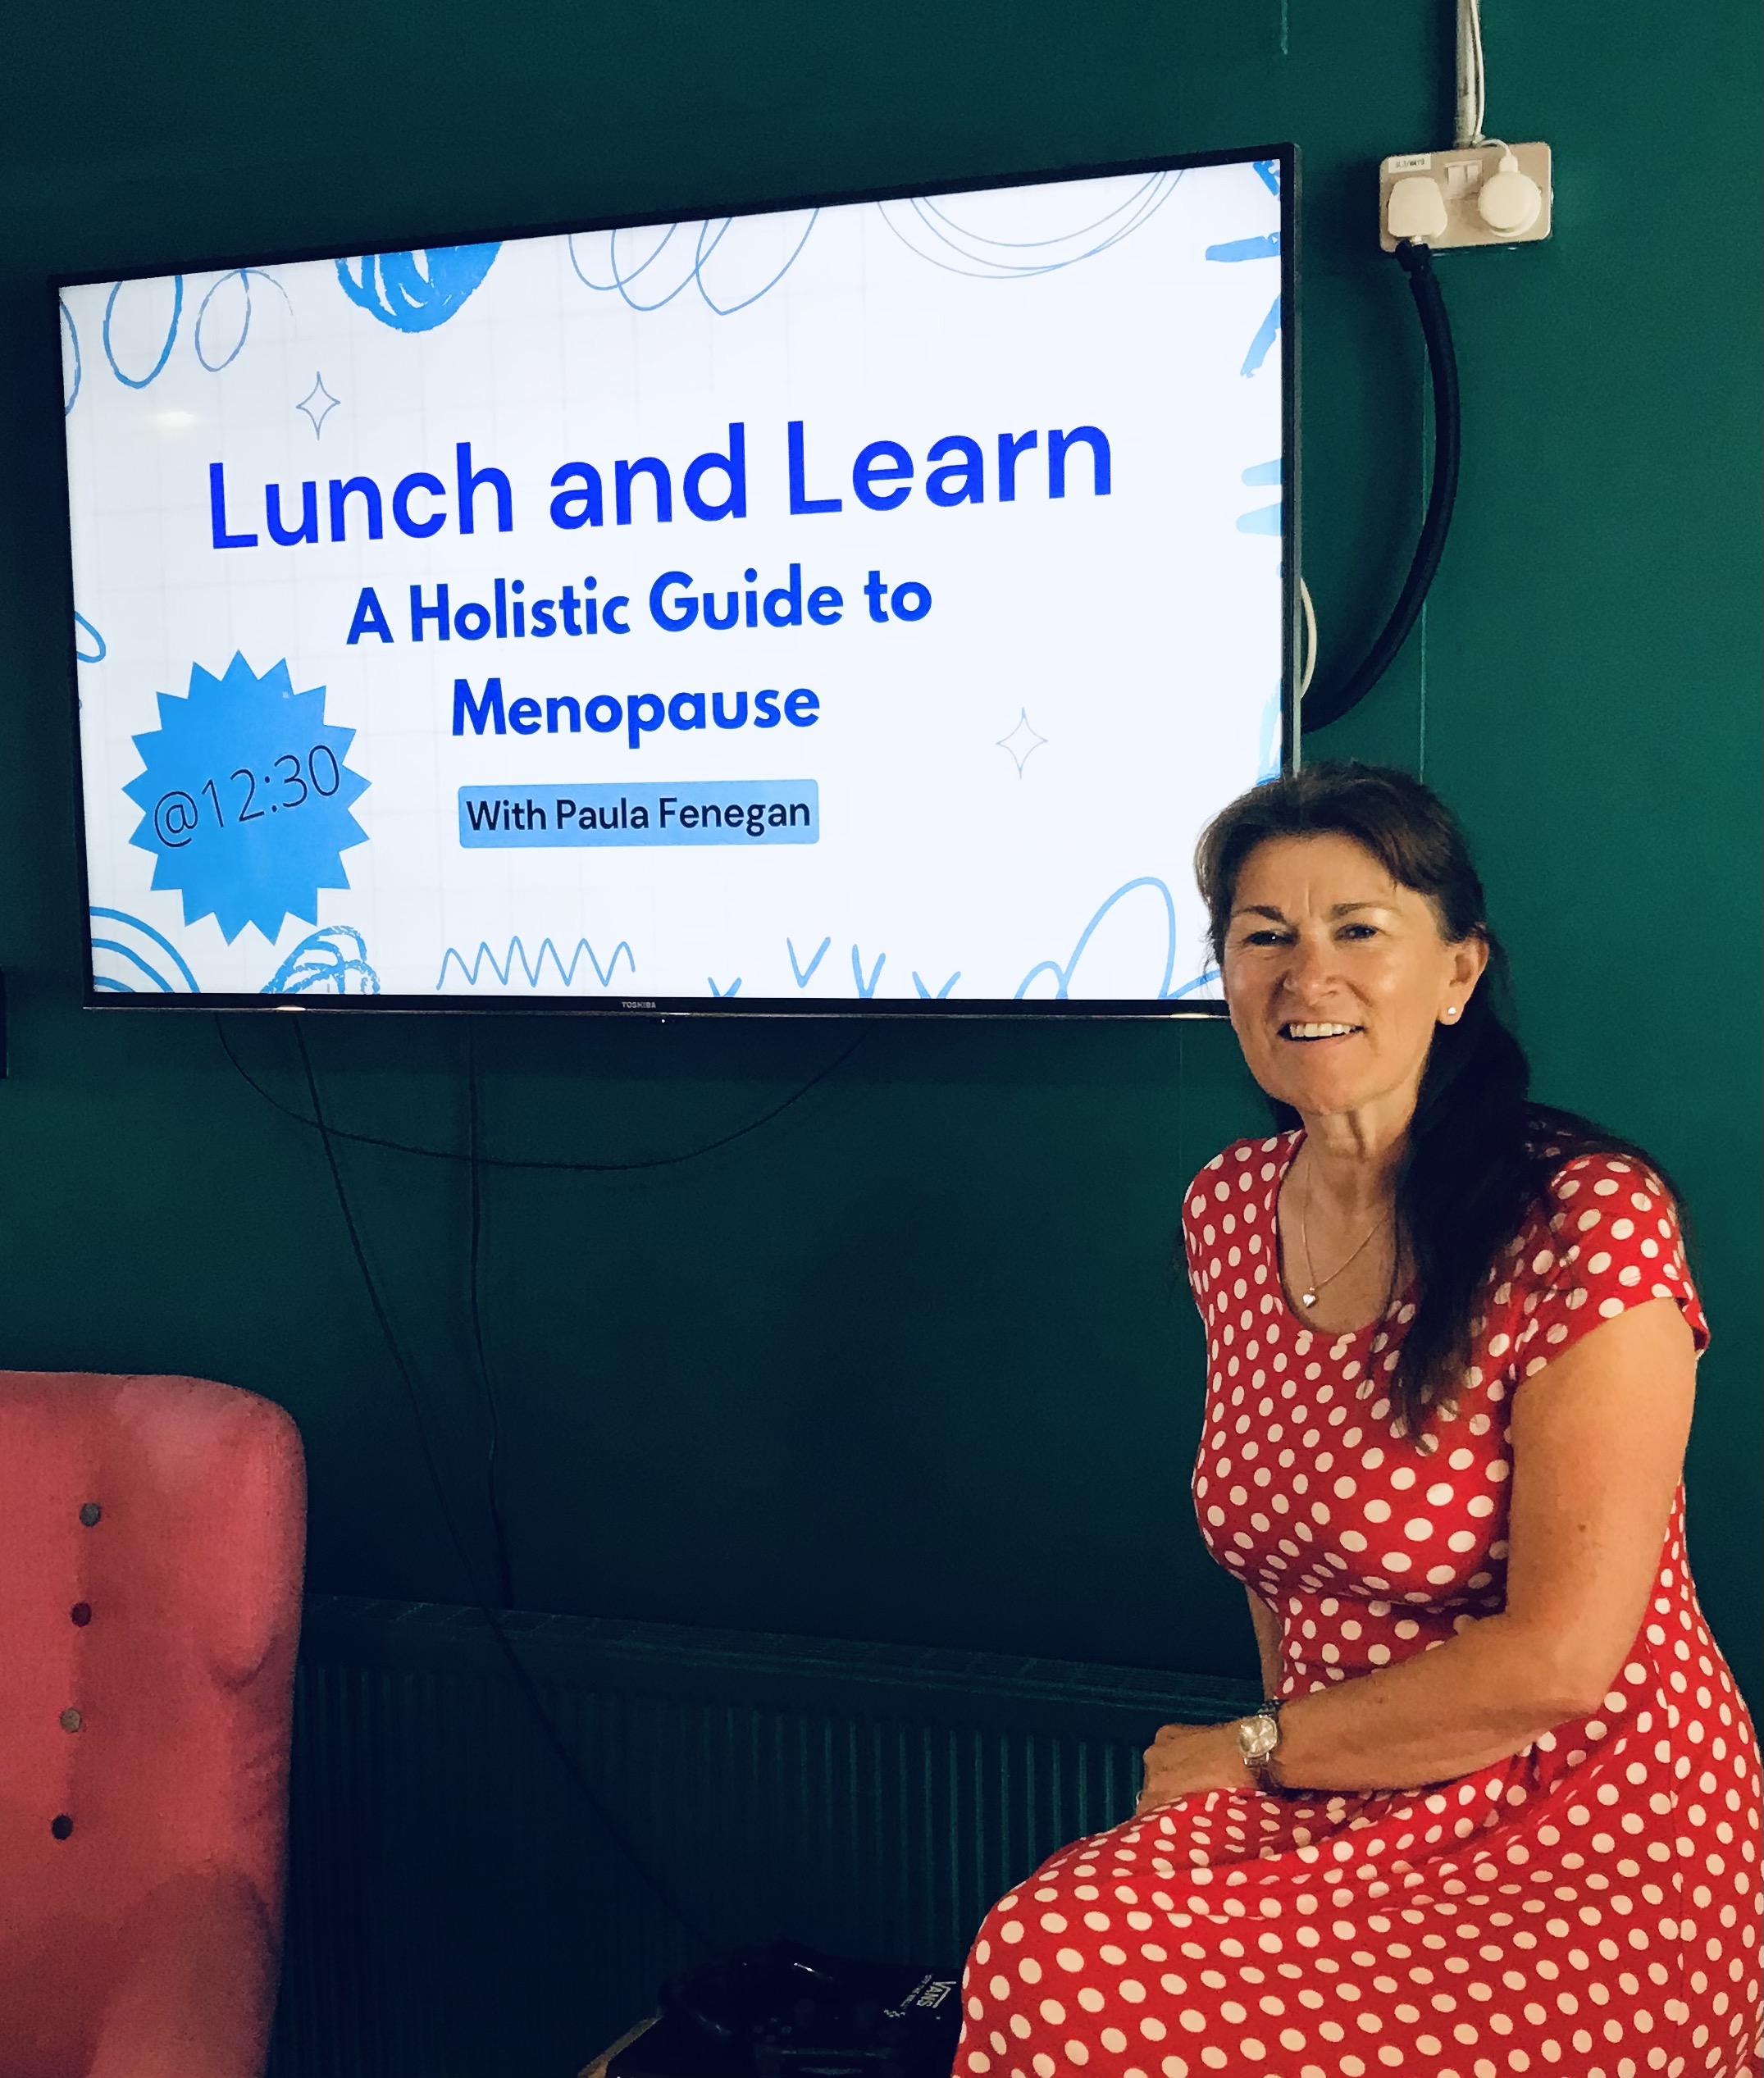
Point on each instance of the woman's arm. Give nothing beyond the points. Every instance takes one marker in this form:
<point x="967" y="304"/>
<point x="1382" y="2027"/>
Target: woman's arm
<point x="1267" y="1626"/>
<point x="1597" y="1441"/>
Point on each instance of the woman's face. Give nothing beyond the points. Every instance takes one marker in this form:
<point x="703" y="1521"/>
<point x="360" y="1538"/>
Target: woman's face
<point x="1337" y="976"/>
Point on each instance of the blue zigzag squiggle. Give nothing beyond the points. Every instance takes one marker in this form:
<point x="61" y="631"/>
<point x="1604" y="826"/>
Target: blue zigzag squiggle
<point x="532" y="968"/>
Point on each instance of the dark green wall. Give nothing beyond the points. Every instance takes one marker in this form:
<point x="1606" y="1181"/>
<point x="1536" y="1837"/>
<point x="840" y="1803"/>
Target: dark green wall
<point x="905" y="1364"/>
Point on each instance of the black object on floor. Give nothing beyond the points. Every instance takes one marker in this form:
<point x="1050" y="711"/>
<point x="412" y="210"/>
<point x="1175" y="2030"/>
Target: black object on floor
<point x="788" y="2011"/>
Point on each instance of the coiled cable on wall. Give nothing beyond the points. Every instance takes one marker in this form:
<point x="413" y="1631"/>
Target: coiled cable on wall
<point x="1329" y="703"/>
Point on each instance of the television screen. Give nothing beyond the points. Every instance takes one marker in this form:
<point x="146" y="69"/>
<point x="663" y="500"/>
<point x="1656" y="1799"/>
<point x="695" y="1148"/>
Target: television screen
<point x="850" y="607"/>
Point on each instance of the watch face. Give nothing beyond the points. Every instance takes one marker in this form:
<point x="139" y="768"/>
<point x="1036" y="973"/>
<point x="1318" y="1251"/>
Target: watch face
<point x="1258" y="1738"/>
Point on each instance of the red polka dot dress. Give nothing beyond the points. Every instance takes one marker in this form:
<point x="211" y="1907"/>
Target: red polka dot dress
<point x="1590" y="1908"/>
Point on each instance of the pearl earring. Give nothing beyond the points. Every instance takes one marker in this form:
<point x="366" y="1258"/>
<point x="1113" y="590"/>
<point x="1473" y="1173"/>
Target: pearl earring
<point x="1452" y="1010"/>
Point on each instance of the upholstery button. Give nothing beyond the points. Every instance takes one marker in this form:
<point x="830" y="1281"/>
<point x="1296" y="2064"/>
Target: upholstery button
<point x="81" y="1612"/>
<point x="89" y="1513"/>
<point x="71" y="1720"/>
<point x="60" y="1825"/>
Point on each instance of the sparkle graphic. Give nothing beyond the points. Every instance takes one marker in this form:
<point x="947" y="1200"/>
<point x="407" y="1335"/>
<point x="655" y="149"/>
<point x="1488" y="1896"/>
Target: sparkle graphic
<point x="318" y="405"/>
<point x="1022" y="742"/>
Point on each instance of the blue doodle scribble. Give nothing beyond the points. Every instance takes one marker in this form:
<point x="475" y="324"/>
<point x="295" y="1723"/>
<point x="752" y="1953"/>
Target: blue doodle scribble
<point x="927" y="994"/>
<point x="416" y="291"/>
<point x="1206" y="975"/>
<point x="804" y="975"/>
<point x="1247" y="248"/>
<point x="1266" y="333"/>
<point x="131" y="958"/>
<point x="532" y="968"/>
<point x="927" y="224"/>
<point x="330" y="961"/>
<point x="243" y="276"/>
<point x="866" y="989"/>
<point x="733" y="989"/>
<point x="71" y="390"/>
<point x="140" y="382"/>
<point x="90" y="656"/>
<point x="681" y="256"/>
<point x="1265" y="519"/>
<point x="1062" y="973"/>
<point x="1268" y="247"/>
<point x="1268" y="748"/>
<point x="246" y="799"/>
<point x="1268" y="171"/>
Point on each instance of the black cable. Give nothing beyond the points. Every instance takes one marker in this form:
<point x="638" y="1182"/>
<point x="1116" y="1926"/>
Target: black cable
<point x="1323" y="705"/>
<point x="385" y="1322"/>
<point x="486" y="1377"/>
<point x="517" y="1666"/>
<point x="512" y="1161"/>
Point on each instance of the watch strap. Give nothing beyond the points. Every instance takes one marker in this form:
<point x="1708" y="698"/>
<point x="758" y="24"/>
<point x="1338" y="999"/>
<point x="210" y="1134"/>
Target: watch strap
<point x="1261" y="1771"/>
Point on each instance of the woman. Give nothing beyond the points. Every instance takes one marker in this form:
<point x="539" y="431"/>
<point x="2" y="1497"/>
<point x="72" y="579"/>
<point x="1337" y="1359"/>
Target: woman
<point x="1500" y="1811"/>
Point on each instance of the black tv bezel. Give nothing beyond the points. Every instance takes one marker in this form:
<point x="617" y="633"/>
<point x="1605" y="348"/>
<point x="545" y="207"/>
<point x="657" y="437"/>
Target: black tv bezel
<point x="1285" y="156"/>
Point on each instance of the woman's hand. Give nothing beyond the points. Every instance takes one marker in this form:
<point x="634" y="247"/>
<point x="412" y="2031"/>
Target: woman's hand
<point x="1184" y="1758"/>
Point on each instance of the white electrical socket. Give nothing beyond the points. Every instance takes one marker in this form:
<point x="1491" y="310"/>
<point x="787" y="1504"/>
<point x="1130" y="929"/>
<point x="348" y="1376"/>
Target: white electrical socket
<point x="1461" y="174"/>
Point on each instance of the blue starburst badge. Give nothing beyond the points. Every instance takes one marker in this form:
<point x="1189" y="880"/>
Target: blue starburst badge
<point x="246" y="799"/>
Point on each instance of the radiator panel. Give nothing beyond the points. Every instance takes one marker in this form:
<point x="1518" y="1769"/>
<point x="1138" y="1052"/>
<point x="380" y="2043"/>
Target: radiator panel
<point x="458" y="1909"/>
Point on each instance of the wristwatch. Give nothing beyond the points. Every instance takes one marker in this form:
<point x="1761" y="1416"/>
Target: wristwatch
<point x="1258" y="1740"/>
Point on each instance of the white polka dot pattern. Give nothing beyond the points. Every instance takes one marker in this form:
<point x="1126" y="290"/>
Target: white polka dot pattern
<point x="1588" y="1908"/>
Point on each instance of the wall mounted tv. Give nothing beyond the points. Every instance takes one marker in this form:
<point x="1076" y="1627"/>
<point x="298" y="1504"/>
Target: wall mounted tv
<point x="852" y="607"/>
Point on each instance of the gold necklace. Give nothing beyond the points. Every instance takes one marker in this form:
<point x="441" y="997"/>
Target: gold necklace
<point x="1308" y="1297"/>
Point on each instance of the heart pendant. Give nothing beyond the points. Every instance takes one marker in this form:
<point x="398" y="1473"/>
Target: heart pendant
<point x="1307" y="1298"/>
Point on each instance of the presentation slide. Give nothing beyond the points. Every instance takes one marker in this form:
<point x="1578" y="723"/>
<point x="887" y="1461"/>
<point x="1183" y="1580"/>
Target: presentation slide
<point x="865" y="605"/>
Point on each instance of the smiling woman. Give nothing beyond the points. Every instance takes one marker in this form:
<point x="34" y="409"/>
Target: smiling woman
<point x="1499" y="1812"/>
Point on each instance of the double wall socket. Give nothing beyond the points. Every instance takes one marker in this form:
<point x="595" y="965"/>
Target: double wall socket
<point x="1459" y="173"/>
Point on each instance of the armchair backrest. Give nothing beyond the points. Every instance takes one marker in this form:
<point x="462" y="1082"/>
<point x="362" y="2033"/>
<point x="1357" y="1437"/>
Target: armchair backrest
<point x="151" y="1544"/>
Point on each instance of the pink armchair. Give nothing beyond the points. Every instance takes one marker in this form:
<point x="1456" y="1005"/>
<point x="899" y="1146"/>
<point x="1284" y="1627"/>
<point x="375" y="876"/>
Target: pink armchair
<point x="151" y="1543"/>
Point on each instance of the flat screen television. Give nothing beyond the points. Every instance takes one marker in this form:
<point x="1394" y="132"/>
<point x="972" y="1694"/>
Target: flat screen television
<point x="852" y="606"/>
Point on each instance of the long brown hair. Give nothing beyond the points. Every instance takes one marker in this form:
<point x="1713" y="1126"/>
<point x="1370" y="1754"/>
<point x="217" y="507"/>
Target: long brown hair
<point x="1480" y="1152"/>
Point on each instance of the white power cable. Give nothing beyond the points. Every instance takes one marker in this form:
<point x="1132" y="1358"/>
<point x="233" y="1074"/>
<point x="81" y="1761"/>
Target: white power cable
<point x="1310" y="638"/>
<point x="1473" y="86"/>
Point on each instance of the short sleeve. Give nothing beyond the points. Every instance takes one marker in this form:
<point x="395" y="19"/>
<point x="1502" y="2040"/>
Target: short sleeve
<point x="1224" y="1215"/>
<point x="1610" y="1240"/>
<point x="1194" y="1212"/>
